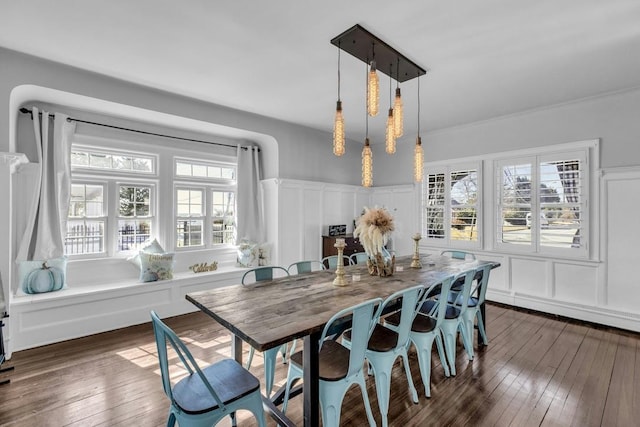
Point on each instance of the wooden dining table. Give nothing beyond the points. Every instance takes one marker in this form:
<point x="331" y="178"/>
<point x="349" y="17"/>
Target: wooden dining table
<point x="268" y="314"/>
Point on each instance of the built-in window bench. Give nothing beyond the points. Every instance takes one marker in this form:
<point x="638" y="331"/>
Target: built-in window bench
<point x="104" y="299"/>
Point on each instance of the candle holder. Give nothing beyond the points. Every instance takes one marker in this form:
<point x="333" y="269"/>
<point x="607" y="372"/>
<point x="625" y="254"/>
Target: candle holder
<point x="415" y="261"/>
<point x="339" y="280"/>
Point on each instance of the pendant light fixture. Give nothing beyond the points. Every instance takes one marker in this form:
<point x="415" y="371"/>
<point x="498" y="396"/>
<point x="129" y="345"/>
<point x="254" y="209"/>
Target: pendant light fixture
<point x="418" y="153"/>
<point x="367" y="164"/>
<point x="390" y="140"/>
<point x="398" y="113"/>
<point x="338" y="123"/>
<point x="367" y="156"/>
<point x="378" y="55"/>
<point x="373" y="86"/>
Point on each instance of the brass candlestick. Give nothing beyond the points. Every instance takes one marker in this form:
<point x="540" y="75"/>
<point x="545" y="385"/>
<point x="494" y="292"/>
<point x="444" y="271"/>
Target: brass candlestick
<point x="415" y="261"/>
<point x="339" y="280"/>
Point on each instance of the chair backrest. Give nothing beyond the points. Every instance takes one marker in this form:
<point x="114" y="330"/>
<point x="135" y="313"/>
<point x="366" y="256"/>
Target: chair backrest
<point x="164" y="335"/>
<point x="331" y="262"/>
<point x="263" y="273"/>
<point x="305" y="267"/>
<point x="466" y="277"/>
<point x="364" y="317"/>
<point x="459" y="255"/>
<point x="359" y="258"/>
<point x="408" y="310"/>
<point x="438" y="293"/>
<point x="482" y="282"/>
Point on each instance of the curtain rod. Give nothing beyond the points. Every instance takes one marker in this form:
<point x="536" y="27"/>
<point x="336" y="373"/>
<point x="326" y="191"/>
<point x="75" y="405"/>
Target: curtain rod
<point x="71" y="119"/>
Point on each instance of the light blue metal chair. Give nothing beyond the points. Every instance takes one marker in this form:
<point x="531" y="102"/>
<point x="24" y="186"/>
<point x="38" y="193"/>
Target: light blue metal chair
<point x="305" y="267"/>
<point x="426" y="328"/>
<point x="386" y="345"/>
<point x="260" y="274"/>
<point x="459" y="255"/>
<point x="205" y="396"/>
<point x="453" y="321"/>
<point x="359" y="258"/>
<point x="462" y="255"/>
<point x="331" y="262"/>
<point x="340" y="367"/>
<point x="475" y="301"/>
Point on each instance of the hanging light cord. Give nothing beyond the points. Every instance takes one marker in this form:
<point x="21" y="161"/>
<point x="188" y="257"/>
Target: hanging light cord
<point x="339" y="70"/>
<point x="366" y="113"/>
<point x="390" y="85"/>
<point x="418" y="105"/>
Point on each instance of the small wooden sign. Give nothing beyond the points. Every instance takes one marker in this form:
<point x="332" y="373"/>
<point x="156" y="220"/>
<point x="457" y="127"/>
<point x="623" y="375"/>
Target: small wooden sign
<point x="204" y="267"/>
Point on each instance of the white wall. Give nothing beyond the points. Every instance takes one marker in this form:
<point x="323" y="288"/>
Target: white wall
<point x="611" y="118"/>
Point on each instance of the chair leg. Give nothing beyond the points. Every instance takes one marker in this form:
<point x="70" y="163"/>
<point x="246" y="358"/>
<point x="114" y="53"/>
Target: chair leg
<point x="466" y="340"/>
<point x="481" y="329"/>
<point x="171" y="421"/>
<point x="450" y="344"/>
<point x="293" y="374"/>
<point x="443" y="358"/>
<point x="407" y="370"/>
<point x="270" y="368"/>
<point x="250" y="359"/>
<point x="382" y="364"/>
<point x="257" y="410"/>
<point x="331" y="396"/>
<point x="365" y="398"/>
<point x="424" y="345"/>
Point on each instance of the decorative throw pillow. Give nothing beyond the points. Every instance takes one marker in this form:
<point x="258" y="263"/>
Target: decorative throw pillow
<point x="156" y="266"/>
<point x="152" y="247"/>
<point x="40" y="276"/>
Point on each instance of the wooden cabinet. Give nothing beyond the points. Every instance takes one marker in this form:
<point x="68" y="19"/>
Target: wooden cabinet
<point x="353" y="245"/>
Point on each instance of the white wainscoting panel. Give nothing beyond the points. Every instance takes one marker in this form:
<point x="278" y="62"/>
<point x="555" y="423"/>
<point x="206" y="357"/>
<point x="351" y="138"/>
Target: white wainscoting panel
<point x="622" y="231"/>
<point x="575" y="283"/>
<point x="529" y="276"/>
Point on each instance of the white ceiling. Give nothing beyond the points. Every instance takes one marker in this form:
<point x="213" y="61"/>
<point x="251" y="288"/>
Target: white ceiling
<point x="485" y="58"/>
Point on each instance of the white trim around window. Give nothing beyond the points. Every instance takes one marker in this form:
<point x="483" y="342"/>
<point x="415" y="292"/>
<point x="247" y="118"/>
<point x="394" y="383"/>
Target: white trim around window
<point x="452" y="204"/>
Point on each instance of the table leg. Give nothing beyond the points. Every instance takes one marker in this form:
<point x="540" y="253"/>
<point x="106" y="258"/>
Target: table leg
<point x="311" y="382"/>
<point x="236" y="348"/>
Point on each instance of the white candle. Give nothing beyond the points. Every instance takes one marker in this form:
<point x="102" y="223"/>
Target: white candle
<point x="355" y="277"/>
<point x="399" y="268"/>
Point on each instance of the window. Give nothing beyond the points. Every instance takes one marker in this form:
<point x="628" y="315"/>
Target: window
<point x="134" y="218"/>
<point x="120" y="198"/>
<point x="542" y="202"/>
<point x="450" y="200"/>
<point x="223" y="221"/>
<point x="102" y="160"/>
<point x="112" y="202"/>
<point x="190" y="217"/>
<point x="205" y="195"/>
<point x="86" y="222"/>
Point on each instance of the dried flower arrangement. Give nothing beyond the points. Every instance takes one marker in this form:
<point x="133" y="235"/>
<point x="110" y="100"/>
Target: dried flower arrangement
<point x="373" y="229"/>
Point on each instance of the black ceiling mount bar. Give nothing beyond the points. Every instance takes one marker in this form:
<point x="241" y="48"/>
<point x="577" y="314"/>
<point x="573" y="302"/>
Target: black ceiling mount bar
<point x="360" y="43"/>
<point x="71" y="119"/>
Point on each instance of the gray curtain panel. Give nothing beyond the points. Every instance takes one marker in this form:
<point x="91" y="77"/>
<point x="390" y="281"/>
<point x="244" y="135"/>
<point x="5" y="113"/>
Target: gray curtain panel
<point x="46" y="227"/>
<point x="250" y="216"/>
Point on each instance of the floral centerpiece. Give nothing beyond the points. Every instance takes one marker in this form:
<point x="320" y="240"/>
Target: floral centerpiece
<point x="374" y="229"/>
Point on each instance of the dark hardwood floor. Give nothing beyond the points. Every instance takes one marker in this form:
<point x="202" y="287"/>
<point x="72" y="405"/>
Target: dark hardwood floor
<point x="536" y="371"/>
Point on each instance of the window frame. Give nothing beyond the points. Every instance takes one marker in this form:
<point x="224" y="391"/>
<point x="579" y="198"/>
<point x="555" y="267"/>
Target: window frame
<point x="208" y="185"/>
<point x="447" y="168"/>
<point x="104" y="217"/>
<point x="535" y="158"/>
